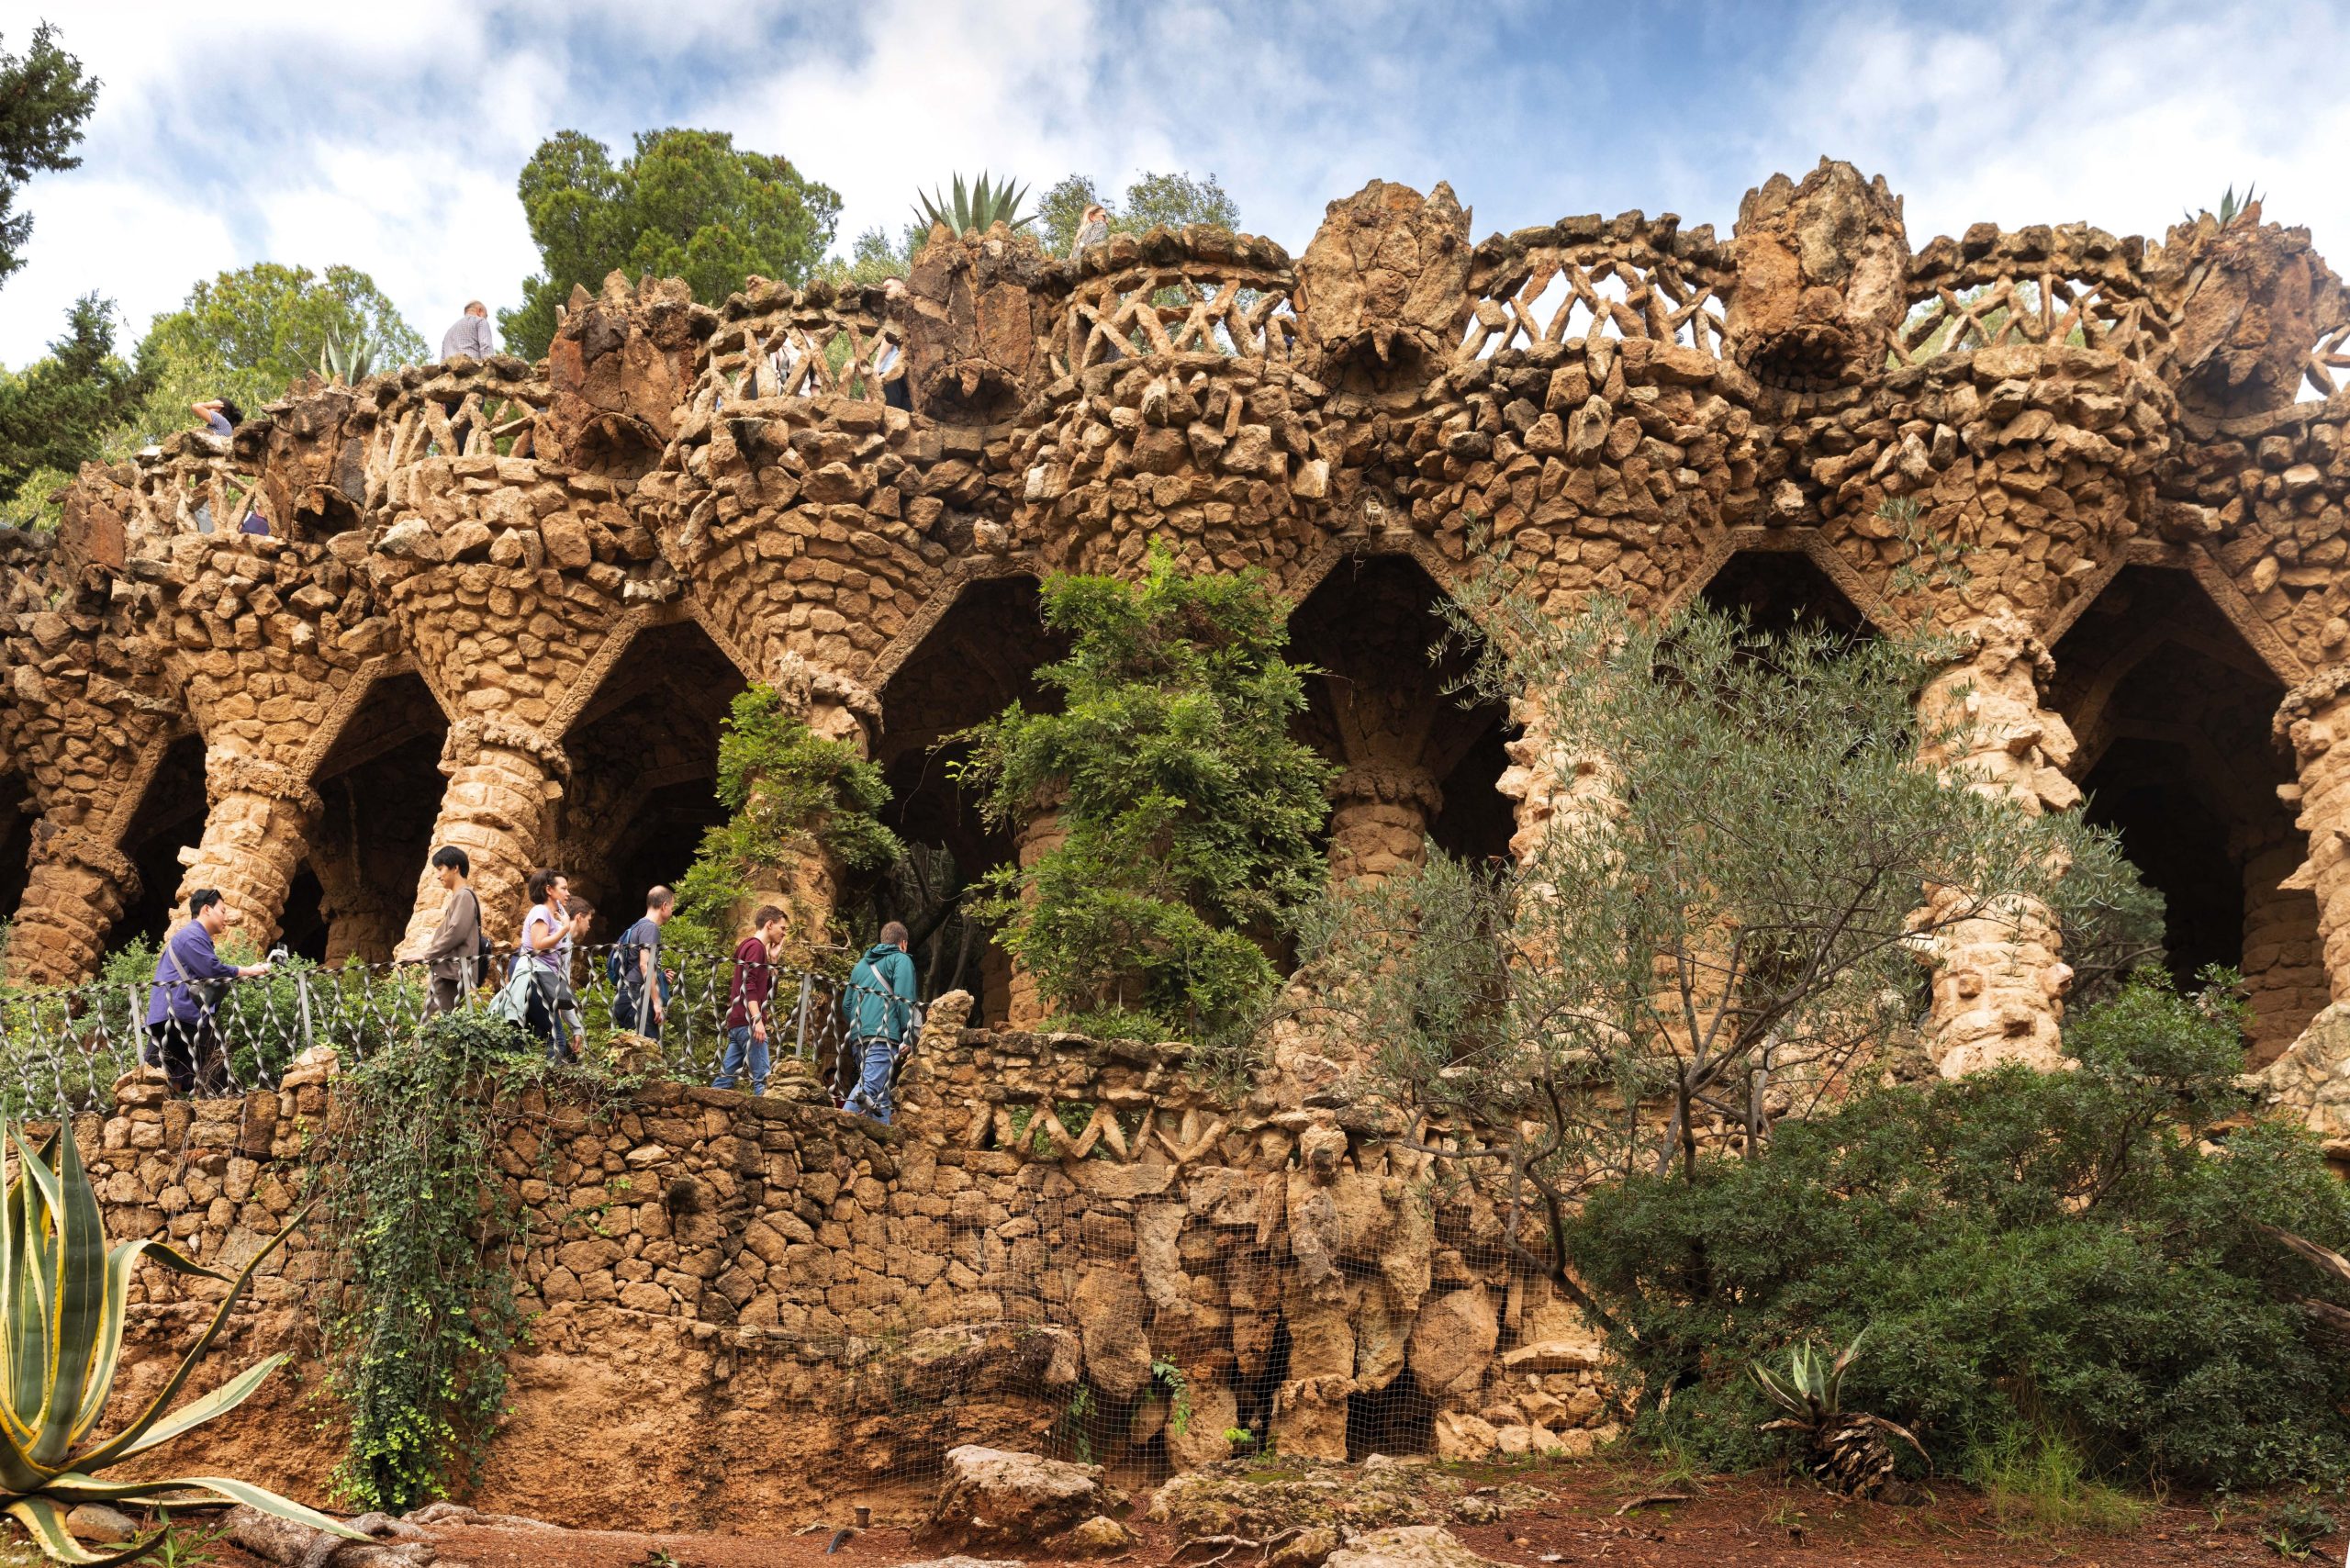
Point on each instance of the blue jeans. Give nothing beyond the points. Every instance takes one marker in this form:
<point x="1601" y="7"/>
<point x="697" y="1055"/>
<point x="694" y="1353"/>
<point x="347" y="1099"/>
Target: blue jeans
<point x="741" y="1043"/>
<point x="872" y="1092"/>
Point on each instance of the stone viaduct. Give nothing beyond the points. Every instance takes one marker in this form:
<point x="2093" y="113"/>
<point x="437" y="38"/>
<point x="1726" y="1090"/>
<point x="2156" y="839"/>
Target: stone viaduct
<point x="505" y="604"/>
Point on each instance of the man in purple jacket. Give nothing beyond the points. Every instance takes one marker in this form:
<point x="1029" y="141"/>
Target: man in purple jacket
<point x="180" y="1014"/>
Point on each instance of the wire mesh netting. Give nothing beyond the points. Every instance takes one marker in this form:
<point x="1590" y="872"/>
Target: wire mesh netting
<point x="61" y="1050"/>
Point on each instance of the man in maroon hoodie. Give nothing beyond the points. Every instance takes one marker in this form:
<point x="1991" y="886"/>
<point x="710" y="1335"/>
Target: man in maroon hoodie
<point x="746" y="1008"/>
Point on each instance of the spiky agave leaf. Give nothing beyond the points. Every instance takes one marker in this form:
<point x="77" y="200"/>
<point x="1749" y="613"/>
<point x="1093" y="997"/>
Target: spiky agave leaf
<point x="63" y="1302"/>
<point x="976" y="208"/>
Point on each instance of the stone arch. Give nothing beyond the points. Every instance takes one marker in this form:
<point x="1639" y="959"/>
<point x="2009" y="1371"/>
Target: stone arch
<point x="643" y="751"/>
<point x="1776" y="573"/>
<point x="379" y="784"/>
<point x="978" y="656"/>
<point x="167" y="821"/>
<point x="1418" y="764"/>
<point x="18" y="812"/>
<point x="2171" y="706"/>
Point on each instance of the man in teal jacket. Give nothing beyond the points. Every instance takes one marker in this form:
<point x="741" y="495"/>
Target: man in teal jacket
<point x="879" y="1008"/>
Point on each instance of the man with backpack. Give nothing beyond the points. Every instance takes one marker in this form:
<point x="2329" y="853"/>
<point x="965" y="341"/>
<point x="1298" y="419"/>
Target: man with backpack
<point x="453" y="955"/>
<point x="878" y="1008"/>
<point x="639" y="990"/>
<point x="746" y="1008"/>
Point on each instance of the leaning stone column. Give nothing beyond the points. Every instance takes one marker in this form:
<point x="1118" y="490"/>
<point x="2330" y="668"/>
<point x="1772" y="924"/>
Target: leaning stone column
<point x="1039" y="833"/>
<point x="79" y="887"/>
<point x="1999" y="977"/>
<point x="256" y="831"/>
<point x="504" y="781"/>
<point x="2308" y="1080"/>
<point x="807" y="886"/>
<point x="1379" y="822"/>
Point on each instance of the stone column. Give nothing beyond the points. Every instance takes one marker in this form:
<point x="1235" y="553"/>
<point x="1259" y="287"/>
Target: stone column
<point x="504" y="781"/>
<point x="1379" y="822"/>
<point x="256" y="831"/>
<point x="2309" y="1080"/>
<point x="79" y="887"/>
<point x="360" y="928"/>
<point x="2315" y="719"/>
<point x="1999" y="977"/>
<point x="807" y="886"/>
<point x="1040" y="832"/>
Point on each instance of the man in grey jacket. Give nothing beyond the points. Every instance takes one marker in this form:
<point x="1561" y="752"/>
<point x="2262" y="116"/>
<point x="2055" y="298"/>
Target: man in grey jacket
<point x="456" y="945"/>
<point x="470" y="336"/>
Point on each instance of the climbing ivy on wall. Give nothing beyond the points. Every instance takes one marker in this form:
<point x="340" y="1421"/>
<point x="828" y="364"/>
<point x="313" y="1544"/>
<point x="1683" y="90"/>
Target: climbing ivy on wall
<point x="422" y="1229"/>
<point x="787" y="791"/>
<point x="1190" y="812"/>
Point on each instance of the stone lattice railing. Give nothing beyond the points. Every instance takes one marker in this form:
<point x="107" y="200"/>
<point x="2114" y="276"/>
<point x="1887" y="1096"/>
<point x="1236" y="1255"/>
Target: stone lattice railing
<point x="774" y="342"/>
<point x="2068" y="284"/>
<point x="494" y="409"/>
<point x="1197" y="290"/>
<point x="1630" y="277"/>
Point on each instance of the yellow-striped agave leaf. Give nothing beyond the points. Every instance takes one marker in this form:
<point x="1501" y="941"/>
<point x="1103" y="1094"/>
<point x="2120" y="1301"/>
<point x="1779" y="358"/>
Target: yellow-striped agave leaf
<point x="65" y="1300"/>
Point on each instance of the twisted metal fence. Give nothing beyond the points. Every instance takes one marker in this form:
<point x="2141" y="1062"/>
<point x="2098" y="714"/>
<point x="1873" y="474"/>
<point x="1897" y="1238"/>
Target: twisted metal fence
<point x="63" y="1049"/>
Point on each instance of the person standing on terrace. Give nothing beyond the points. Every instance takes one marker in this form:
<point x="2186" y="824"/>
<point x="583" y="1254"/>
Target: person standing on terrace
<point x="1091" y="230"/>
<point x="470" y="336"/>
<point x="221" y="416"/>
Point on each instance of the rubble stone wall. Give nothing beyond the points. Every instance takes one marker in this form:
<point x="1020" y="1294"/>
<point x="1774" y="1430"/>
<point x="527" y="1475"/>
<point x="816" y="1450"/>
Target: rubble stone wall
<point x="767" y="1304"/>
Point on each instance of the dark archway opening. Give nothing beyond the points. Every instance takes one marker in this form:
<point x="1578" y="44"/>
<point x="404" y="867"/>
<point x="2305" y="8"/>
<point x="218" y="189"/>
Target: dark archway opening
<point x="980" y="659"/>
<point x="644" y="786"/>
<point x="1778" y="591"/>
<point x="302" y="924"/>
<point x="17" y="817"/>
<point x="170" y="818"/>
<point x="2171" y="708"/>
<point x="1389" y="699"/>
<point x="379" y="786"/>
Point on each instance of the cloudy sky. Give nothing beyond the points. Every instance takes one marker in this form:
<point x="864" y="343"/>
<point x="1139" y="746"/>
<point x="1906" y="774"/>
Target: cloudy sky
<point x="388" y="137"/>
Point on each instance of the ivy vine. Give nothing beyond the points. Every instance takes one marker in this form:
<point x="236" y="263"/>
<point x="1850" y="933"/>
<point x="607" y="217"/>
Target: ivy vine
<point x="425" y="1231"/>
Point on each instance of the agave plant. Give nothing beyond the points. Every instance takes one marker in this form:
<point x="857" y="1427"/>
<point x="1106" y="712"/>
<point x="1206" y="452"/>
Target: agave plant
<point x="64" y="1300"/>
<point x="1844" y="1448"/>
<point x="347" y="360"/>
<point x="2233" y="206"/>
<point x="979" y="206"/>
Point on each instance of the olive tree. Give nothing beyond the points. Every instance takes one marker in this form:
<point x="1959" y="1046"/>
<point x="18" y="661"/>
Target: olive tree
<point x="1721" y="922"/>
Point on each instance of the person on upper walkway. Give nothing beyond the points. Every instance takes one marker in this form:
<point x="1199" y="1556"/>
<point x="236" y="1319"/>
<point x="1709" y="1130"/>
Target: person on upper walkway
<point x="471" y="335"/>
<point x="221" y="416"/>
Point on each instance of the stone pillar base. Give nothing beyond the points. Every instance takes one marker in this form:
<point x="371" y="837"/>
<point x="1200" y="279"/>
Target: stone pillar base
<point x="256" y="832"/>
<point x="499" y="809"/>
<point x="78" y="889"/>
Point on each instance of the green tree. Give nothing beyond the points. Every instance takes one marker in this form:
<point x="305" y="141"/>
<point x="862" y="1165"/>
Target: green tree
<point x="248" y="334"/>
<point x="1190" y="813"/>
<point x="873" y="256"/>
<point x="45" y="97"/>
<point x="1720" y="922"/>
<point x="54" y="415"/>
<point x="1174" y="199"/>
<point x="685" y="204"/>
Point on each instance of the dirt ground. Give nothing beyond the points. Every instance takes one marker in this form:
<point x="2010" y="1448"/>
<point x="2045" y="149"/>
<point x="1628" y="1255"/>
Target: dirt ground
<point x="1760" y="1520"/>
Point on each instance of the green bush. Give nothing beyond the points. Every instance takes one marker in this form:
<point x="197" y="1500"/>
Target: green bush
<point x="1190" y="812"/>
<point x="788" y="791"/>
<point x="2062" y="1254"/>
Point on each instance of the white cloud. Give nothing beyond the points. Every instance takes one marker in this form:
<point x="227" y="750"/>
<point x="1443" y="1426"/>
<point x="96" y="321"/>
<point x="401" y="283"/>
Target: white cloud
<point x="2051" y="113"/>
<point x="389" y="138"/>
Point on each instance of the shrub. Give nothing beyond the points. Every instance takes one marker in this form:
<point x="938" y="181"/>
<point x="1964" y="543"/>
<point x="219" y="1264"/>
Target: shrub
<point x="1190" y="812"/>
<point x="789" y="792"/>
<point x="2062" y="1254"/>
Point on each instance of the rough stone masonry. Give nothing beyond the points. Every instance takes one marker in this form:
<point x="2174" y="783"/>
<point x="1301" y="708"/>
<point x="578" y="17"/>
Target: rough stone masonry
<point x="503" y="605"/>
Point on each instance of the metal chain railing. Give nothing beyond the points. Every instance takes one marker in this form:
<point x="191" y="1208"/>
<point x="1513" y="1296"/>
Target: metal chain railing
<point x="61" y="1050"/>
